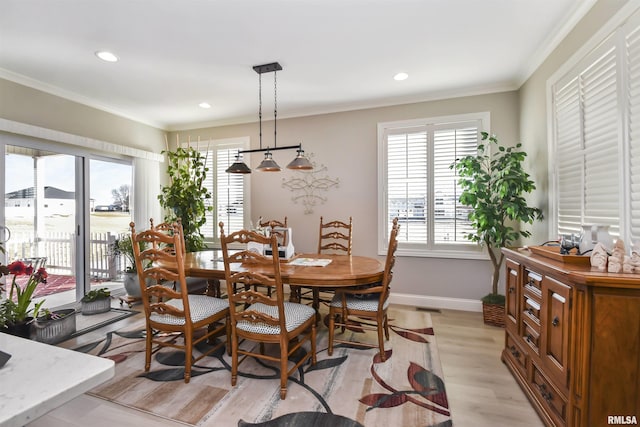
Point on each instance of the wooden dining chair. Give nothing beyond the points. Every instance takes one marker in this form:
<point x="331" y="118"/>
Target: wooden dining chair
<point x="273" y="225"/>
<point x="259" y="318"/>
<point x="195" y="285"/>
<point x="335" y="237"/>
<point x="369" y="302"/>
<point x="196" y="317"/>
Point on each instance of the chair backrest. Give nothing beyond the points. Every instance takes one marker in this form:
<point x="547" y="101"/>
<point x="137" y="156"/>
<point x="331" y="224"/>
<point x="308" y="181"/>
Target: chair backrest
<point x="390" y="261"/>
<point x="171" y="228"/>
<point x="273" y="224"/>
<point x="157" y="265"/>
<point x="335" y="237"/>
<point x="256" y="269"/>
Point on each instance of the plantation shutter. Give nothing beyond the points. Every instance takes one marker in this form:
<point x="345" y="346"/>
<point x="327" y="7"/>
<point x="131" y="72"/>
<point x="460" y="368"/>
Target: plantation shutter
<point x="570" y="168"/>
<point x="407" y="182"/>
<point x="633" y="66"/>
<point x="451" y="223"/>
<point x="230" y="193"/>
<point x="586" y="135"/>
<point x="228" y="189"/>
<point x="601" y="130"/>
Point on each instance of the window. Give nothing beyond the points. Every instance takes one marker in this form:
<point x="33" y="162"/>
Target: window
<point x="594" y="144"/>
<point x="230" y="191"/>
<point x="417" y="186"/>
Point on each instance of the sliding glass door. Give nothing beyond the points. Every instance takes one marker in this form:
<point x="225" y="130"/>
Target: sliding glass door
<point x="40" y="210"/>
<point x="64" y="209"/>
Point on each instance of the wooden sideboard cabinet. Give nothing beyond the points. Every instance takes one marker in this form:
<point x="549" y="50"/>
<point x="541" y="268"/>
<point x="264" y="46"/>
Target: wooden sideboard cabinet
<point x="573" y="339"/>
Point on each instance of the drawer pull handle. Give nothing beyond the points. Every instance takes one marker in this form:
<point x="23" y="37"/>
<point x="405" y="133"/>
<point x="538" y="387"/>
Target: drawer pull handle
<point x="512" y="290"/>
<point x="556" y="321"/>
<point x="515" y="352"/>
<point x="530" y="311"/>
<point x="529" y="338"/>
<point x="546" y="395"/>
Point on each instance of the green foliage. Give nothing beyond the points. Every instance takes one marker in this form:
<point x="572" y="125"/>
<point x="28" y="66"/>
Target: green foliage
<point x="186" y="197"/>
<point x="493" y="184"/>
<point x="96" y="294"/>
<point x="124" y="246"/>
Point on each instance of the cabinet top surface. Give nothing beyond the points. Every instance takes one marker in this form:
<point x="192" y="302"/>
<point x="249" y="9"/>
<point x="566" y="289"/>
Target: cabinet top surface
<point x="582" y="274"/>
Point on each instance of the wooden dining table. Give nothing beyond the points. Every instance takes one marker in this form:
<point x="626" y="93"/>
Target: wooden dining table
<point x="341" y="271"/>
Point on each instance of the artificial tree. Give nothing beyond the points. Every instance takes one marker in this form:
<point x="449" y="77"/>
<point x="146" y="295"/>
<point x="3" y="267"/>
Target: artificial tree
<point x="186" y="197"/>
<point x="493" y="183"/>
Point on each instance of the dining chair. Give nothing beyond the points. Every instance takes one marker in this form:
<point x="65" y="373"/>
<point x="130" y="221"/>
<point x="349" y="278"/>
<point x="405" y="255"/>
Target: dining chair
<point x="259" y="318"/>
<point x="195" y="285"/>
<point x="334" y="237"/>
<point x="197" y="318"/>
<point x="366" y="302"/>
<point x="272" y="224"/>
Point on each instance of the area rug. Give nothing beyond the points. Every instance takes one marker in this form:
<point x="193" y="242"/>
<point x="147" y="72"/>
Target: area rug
<point x="88" y="323"/>
<point x="353" y="387"/>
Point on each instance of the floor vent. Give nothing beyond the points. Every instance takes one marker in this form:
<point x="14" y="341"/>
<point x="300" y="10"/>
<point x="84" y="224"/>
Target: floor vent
<point x="430" y="310"/>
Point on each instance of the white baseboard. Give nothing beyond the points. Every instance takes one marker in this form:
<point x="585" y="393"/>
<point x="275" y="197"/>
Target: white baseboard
<point x="425" y="301"/>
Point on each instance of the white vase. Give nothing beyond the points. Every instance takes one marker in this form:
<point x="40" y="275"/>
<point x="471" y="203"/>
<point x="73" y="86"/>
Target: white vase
<point x="588" y="238"/>
<point x="603" y="236"/>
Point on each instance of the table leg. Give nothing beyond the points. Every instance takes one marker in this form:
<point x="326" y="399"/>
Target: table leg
<point x="213" y="288"/>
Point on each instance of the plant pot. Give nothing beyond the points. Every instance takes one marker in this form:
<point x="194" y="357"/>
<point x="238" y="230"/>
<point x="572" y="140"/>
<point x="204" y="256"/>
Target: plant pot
<point x="52" y="331"/>
<point x="493" y="314"/>
<point x="132" y="285"/>
<point x="22" y="329"/>
<point x="101" y="305"/>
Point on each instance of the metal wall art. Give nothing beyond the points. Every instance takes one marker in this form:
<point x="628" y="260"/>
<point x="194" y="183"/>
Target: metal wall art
<point x="309" y="186"/>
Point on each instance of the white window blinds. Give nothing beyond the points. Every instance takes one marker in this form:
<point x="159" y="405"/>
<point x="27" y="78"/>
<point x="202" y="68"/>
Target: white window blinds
<point x="632" y="50"/>
<point x="419" y="188"/>
<point x="595" y="153"/>
<point x="229" y="190"/>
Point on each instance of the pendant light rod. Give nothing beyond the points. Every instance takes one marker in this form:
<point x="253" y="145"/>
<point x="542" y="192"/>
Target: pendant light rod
<point x="258" y="150"/>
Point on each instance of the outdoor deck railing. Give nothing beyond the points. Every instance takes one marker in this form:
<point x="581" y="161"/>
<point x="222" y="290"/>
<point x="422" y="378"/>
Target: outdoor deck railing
<point x="60" y="251"/>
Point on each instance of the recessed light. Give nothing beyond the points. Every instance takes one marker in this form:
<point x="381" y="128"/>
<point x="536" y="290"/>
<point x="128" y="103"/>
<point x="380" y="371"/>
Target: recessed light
<point x="106" y="56"/>
<point x="204" y="105"/>
<point x="401" y="76"/>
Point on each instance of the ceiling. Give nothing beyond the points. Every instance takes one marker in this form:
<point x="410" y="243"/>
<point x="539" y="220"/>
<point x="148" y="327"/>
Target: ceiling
<point x="336" y="54"/>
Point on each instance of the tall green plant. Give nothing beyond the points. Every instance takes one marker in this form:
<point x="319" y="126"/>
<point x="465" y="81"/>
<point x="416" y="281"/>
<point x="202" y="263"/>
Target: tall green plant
<point x="186" y="196"/>
<point x="493" y="183"/>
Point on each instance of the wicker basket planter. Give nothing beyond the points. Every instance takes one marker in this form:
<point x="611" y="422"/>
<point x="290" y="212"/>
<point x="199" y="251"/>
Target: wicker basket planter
<point x="493" y="314"/>
<point x="98" y="306"/>
<point x="52" y="331"/>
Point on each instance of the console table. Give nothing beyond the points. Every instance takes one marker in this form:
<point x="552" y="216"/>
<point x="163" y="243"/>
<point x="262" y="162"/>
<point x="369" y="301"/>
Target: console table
<point x="40" y="377"/>
<point x="573" y="339"/>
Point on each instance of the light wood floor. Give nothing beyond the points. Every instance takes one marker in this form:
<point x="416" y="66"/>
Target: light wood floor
<point x="480" y="389"/>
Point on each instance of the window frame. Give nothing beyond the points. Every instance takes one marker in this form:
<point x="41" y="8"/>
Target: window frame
<point x="428" y="249"/>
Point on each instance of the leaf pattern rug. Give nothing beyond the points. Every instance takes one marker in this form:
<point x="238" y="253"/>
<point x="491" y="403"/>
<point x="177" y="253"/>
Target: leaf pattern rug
<point x="353" y="387"/>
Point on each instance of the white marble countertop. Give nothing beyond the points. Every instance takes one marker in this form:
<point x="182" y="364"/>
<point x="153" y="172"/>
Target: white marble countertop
<point x="40" y="377"/>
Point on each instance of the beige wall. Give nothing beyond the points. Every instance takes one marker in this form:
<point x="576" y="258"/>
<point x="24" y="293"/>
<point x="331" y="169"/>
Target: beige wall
<point x="25" y="105"/>
<point x="347" y="144"/>
<point x="533" y="106"/>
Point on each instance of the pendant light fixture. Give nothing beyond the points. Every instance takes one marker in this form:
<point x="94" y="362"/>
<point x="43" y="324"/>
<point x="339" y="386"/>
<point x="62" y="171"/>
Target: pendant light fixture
<point x="300" y="162"/>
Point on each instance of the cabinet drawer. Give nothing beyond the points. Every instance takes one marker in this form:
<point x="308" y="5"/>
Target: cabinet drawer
<point x="517" y="354"/>
<point x="532" y="309"/>
<point x="531" y="337"/>
<point x="533" y="281"/>
<point x="553" y="401"/>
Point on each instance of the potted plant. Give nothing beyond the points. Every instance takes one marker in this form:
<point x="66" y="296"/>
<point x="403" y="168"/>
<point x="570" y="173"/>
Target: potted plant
<point x="186" y="197"/>
<point x="493" y="183"/>
<point x="96" y="301"/>
<point x="123" y="246"/>
<point x="53" y="327"/>
<point x="16" y="312"/>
